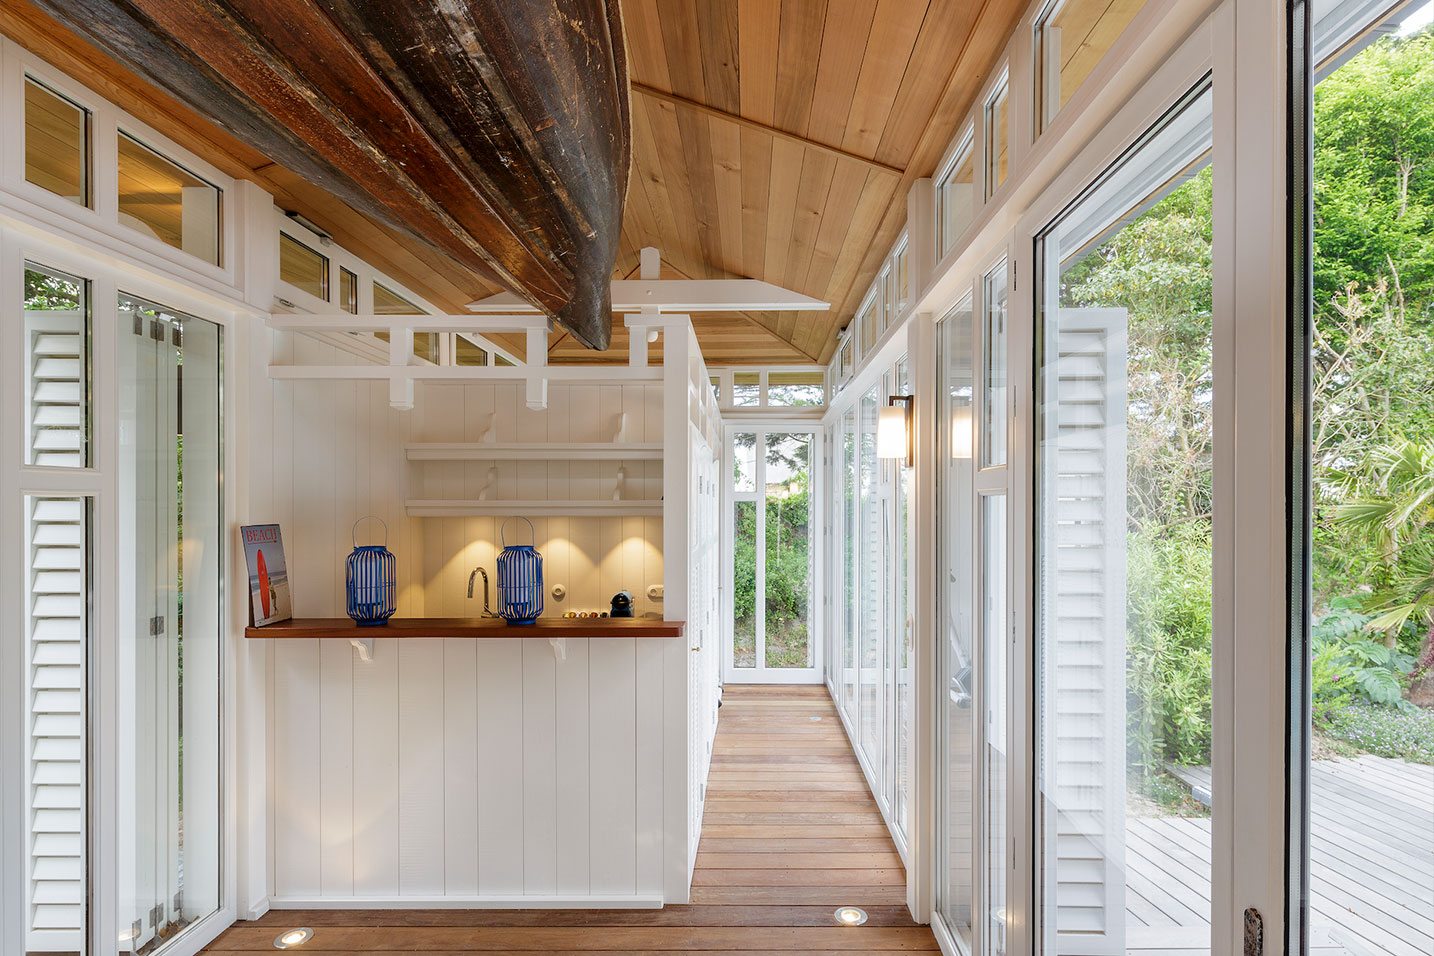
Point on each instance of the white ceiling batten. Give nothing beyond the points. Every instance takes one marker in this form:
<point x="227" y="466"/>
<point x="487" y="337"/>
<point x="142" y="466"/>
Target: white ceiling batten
<point x="651" y="294"/>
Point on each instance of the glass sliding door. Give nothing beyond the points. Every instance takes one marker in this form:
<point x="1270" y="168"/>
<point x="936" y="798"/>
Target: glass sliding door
<point x="995" y="709"/>
<point x="956" y="652"/>
<point x="1123" y="553"/>
<point x="774" y="555"/>
<point x="871" y="604"/>
<point x="1363" y="714"/>
<point x="902" y="621"/>
<point x="169" y="623"/>
<point x="851" y="494"/>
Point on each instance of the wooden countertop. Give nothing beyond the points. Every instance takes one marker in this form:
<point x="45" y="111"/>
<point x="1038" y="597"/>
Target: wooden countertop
<point x="481" y="627"/>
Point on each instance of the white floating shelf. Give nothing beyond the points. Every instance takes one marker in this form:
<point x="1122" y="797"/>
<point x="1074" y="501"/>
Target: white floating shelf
<point x="436" y="508"/>
<point x="534" y="451"/>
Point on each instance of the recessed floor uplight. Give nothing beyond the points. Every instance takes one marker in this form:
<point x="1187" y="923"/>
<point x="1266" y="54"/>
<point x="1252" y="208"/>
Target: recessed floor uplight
<point x="850" y="915"/>
<point x="290" y="938"/>
<point x="813" y="718"/>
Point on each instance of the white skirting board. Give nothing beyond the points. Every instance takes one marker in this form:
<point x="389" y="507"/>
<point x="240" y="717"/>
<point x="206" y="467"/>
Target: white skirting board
<point x="469" y="903"/>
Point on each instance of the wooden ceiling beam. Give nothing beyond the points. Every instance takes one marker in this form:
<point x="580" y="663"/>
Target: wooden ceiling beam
<point x="684" y="103"/>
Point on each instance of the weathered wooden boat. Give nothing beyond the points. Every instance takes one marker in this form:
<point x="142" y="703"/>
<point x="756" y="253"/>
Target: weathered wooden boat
<point x="496" y="131"/>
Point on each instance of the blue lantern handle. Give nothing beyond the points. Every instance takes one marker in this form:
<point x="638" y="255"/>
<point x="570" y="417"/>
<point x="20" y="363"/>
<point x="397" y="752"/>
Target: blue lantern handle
<point x="532" y="534"/>
<point x="354" y="533"/>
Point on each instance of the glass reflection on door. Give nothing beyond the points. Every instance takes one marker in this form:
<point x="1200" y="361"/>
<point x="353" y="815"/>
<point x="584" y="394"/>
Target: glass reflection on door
<point x="169" y="623"/>
<point x="957" y="654"/>
<point x="1124" y="559"/>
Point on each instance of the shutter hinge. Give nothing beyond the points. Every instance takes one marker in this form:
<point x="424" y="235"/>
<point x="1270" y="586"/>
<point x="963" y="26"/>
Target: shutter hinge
<point x="179" y="905"/>
<point x="138" y="324"/>
<point x="156" y="626"/>
<point x="176" y="335"/>
<point x="135" y="930"/>
<point x="156" y="916"/>
<point x="156" y="330"/>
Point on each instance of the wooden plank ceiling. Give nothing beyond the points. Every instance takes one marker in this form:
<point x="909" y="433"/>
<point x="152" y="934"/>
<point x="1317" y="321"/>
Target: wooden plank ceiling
<point x="771" y="139"/>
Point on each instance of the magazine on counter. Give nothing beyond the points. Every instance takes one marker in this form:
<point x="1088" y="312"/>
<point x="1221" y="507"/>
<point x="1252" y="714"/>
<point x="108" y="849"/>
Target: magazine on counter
<point x="268" y="574"/>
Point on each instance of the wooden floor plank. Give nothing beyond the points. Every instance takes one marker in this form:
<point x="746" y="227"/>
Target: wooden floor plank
<point x="790" y="832"/>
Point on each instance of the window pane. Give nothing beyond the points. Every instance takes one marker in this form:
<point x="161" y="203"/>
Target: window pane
<point x="388" y="302"/>
<point x="744" y="583"/>
<point x="500" y="359"/>
<point x="997" y="139"/>
<point x="868" y="324"/>
<point x="902" y="616"/>
<point x="303" y="267"/>
<point x="901" y="280"/>
<point x="746" y="388"/>
<point x="887" y="300"/>
<point x="466" y="352"/>
<point x="788" y="591"/>
<point x="163" y="199"/>
<point x="744" y="455"/>
<point x="716" y="381"/>
<point x="169" y="644"/>
<point x="1071" y="38"/>
<point x="57" y="387"/>
<point x="796" y="388"/>
<point x="57" y="143"/>
<point x="1369" y="694"/>
<point x="870" y="547"/>
<point x="958" y="198"/>
<point x="54" y="684"/>
<point x="348" y="291"/>
<point x="994" y="417"/>
<point x="957" y="648"/>
<point x="993" y="694"/>
<point x="1124" y="562"/>
<point x="846" y="358"/>
<point x="850" y="500"/>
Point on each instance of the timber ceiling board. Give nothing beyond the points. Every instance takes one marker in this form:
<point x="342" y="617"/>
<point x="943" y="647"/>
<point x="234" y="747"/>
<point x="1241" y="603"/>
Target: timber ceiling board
<point x="777" y="139"/>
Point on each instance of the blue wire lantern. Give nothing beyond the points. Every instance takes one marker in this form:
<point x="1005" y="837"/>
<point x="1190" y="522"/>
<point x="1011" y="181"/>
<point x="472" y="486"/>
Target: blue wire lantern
<point x="371" y="580"/>
<point x="520" y="579"/>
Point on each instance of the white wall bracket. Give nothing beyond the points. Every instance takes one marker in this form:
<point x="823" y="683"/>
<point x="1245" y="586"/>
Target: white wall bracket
<point x="364" y="646"/>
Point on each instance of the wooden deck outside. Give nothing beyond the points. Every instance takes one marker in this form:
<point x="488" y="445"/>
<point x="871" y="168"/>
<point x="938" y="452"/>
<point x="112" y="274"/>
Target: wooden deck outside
<point x="790" y="833"/>
<point x="1371" y="865"/>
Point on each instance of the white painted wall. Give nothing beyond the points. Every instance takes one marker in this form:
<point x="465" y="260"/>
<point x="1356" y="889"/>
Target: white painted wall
<point x="463" y="772"/>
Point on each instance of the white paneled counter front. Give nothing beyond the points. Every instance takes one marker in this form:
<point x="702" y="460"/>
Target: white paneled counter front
<point x="471" y="772"/>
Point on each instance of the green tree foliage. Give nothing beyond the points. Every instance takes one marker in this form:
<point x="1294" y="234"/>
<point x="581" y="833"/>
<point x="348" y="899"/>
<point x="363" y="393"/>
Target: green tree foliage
<point x="788" y="556"/>
<point x="1157" y="267"/>
<point x="1374" y="337"/>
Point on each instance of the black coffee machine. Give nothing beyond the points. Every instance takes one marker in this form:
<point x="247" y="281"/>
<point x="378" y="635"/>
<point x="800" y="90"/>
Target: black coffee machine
<point x="622" y="604"/>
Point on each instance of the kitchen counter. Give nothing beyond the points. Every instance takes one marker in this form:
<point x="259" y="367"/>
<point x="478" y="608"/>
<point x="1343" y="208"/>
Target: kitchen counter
<point x="470" y="627"/>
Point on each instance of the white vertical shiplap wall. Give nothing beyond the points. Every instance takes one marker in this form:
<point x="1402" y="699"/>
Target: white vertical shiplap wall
<point x="463" y="772"/>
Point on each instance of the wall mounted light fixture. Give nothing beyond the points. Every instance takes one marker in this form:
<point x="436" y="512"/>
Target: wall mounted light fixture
<point x="894" y="435"/>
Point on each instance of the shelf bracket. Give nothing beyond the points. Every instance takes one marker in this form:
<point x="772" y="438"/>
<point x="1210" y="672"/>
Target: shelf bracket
<point x="560" y="648"/>
<point x="364" y="646"/>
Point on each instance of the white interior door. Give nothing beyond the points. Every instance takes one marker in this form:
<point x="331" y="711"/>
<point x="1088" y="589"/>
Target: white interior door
<point x="772" y="536"/>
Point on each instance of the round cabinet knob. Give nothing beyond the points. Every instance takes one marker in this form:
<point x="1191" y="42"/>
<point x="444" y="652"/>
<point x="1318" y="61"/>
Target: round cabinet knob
<point x="559" y="592"/>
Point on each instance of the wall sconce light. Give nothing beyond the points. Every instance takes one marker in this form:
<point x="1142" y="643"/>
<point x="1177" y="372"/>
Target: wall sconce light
<point x="894" y="437"/>
<point x="962" y="439"/>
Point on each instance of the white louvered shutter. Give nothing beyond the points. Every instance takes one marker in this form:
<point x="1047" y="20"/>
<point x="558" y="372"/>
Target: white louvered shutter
<point x="1083" y="633"/>
<point x="56" y="667"/>
<point x="56" y="411"/>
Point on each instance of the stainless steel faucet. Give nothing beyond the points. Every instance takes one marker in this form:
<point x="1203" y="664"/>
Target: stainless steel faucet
<point x="475" y="573"/>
